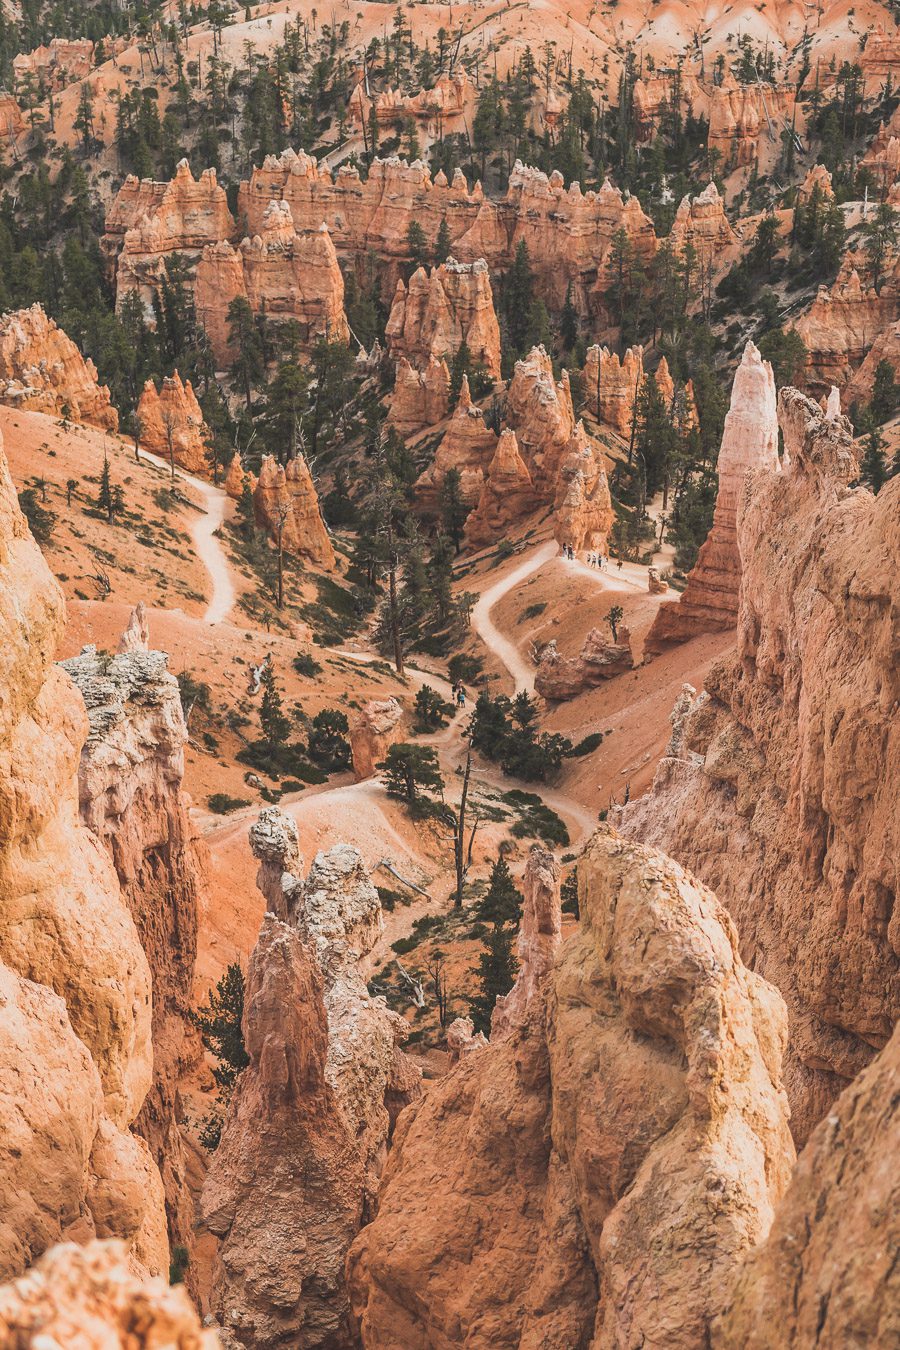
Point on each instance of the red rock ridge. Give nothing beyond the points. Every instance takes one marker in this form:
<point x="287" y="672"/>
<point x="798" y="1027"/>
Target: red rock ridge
<point x="173" y="414"/>
<point x="41" y="370"/>
<point x="287" y="504"/>
<point x="435" y="314"/>
<point x="782" y="796"/>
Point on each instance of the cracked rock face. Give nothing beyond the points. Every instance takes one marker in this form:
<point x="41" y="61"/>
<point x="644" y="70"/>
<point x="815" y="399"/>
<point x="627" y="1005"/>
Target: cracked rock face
<point x="130" y="796"/>
<point x="74" y="977"/>
<point x="596" y="1174"/>
<point x="782" y="796"/>
<point x="41" y="370"/>
<point x="307" y="1129"/>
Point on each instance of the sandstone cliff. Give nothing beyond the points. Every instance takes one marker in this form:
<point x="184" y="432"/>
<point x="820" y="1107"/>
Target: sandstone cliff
<point x="420" y="398"/>
<point x="554" y="1188"/>
<point x="841" y="326"/>
<point x="284" y="275"/>
<point x="827" y="1275"/>
<point x="435" y="314"/>
<point x="374" y="729"/>
<point x="172" y="425"/>
<point x="42" y="370"/>
<point x="701" y="223"/>
<point x="77" y="1064"/>
<point x="307" y="1126"/>
<point x="709" y="602"/>
<point x="507" y="494"/>
<point x="468" y="446"/>
<point x="286" y="502"/>
<point x="781" y="796"/>
<point x="130" y="796"/>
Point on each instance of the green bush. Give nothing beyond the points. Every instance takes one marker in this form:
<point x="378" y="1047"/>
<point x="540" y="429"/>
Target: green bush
<point x="306" y="664"/>
<point x="223" y="804"/>
<point x="585" y="746"/>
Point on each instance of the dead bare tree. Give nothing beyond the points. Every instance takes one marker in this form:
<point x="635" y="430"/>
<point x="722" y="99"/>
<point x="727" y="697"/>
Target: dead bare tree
<point x="439" y="985"/>
<point x="169" y="422"/>
<point x="413" y="987"/>
<point x="462" y="855"/>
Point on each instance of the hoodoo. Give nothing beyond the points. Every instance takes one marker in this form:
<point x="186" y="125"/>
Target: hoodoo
<point x="709" y="602"/>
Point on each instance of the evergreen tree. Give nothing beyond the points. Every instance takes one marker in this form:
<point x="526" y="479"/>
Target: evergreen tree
<point x="219" y="1021"/>
<point x="244" y="338"/>
<point x="568" y="324"/>
<point x="885" y="392"/>
<point x="502" y="902"/>
<point x="517" y="297"/>
<point x="872" y="469"/>
<point x="410" y="770"/>
<point x="246" y="509"/>
<point x="453" y="509"/>
<point x="417" y="245"/>
<point x="442" y="244"/>
<point x="496" y="975"/>
<point x="105" y="501"/>
<point x="275" y="726"/>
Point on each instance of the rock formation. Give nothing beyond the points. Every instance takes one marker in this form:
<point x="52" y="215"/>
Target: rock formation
<point x="596" y="1174"/>
<point x="739" y="114"/>
<point x="287" y="276"/>
<point x="559" y="677"/>
<point x="129" y="787"/>
<point x="781" y="797"/>
<point x="12" y="123"/>
<point x="709" y="602"/>
<point x="234" y="479"/>
<point x="287" y="503"/>
<point x="841" y="325"/>
<point x="507" y="494"/>
<point x="136" y="634"/>
<point x="468" y="446"/>
<point x="611" y="386"/>
<point x="886" y="347"/>
<point x="420" y="398"/>
<point x="818" y="179"/>
<point x="655" y="583"/>
<point x="540" y="412"/>
<point x="57" y="64"/>
<point x="439" y="109"/>
<point x="583" y="513"/>
<point x="701" y="222"/>
<point x="838" y="1285"/>
<point x="87" y="1297"/>
<point x="307" y="1127"/>
<point x="148" y="222"/>
<point x="883" y="155"/>
<point x="435" y="314"/>
<point x="77" y="1059"/>
<point x="41" y="370"/>
<point x="172" y="425"/>
<point x="375" y="728"/>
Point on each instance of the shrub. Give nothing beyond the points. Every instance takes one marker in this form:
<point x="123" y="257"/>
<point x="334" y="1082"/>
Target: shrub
<point x="584" y="747"/>
<point x="431" y="710"/>
<point x="533" y="612"/>
<point x="328" y="745"/>
<point x="223" y="804"/>
<point x="465" y="668"/>
<point x="41" y="522"/>
<point x="306" y="664"/>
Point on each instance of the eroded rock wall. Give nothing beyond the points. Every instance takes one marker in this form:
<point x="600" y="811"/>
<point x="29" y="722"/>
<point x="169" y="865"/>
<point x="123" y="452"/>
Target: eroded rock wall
<point x="782" y="795"/>
<point x="553" y="1189"/>
<point x="172" y="414"/>
<point x="41" y="370"/>
<point x="76" y="1068"/>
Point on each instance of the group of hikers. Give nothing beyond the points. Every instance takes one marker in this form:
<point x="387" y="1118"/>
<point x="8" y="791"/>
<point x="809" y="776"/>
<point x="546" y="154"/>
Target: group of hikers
<point x="459" y="694"/>
<point x="598" y="560"/>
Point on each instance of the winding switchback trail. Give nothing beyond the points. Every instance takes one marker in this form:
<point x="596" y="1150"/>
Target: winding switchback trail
<point x="209" y="549"/>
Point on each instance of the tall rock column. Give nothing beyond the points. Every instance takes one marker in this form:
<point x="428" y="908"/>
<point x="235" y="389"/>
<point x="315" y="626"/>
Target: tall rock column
<point x="76" y="1060"/>
<point x="709" y="602"/>
<point x="306" y="1133"/>
<point x="130" y="796"/>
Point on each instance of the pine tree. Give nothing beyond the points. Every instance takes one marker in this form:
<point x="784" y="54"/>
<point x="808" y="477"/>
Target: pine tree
<point x="443" y="243"/>
<point x="275" y="726"/>
<point x="568" y="323"/>
<point x="517" y="299"/>
<point x="246" y="509"/>
<point x="496" y="975"/>
<point x="501" y="903"/>
<point x="872" y="469"/>
<point x="417" y="244"/>
<point x="219" y="1021"/>
<point x="409" y="770"/>
<point x="453" y="509"/>
<point x="885" y="392"/>
<point x="105" y="501"/>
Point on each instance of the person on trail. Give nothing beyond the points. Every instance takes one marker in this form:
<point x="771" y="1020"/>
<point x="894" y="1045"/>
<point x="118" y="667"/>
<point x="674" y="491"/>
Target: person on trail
<point x="619" y="563"/>
<point x="460" y="696"/>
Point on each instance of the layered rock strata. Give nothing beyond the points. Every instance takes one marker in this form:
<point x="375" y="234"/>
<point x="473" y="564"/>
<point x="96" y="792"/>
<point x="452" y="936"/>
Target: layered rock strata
<point x="287" y="507"/>
<point x="468" y="446"/>
<point x="307" y="1127"/>
<point x="506" y="494"/>
<point x="376" y="727"/>
<point x="436" y="313"/>
<point x="285" y="276"/>
<point x="420" y="398"/>
<point x="781" y="795"/>
<point x="842" y="324"/>
<point x="583" y="513"/>
<point x="700" y="222"/>
<point x="77" y="1062"/>
<point x="553" y="1189"/>
<point x="171" y="424"/>
<point x="709" y="602"/>
<point x="41" y="370"/>
<point x="130" y="796"/>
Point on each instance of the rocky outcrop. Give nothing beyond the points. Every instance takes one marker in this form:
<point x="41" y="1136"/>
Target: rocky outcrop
<point x="559" y="677"/>
<point x="655" y="583"/>
<point x="739" y="114"/>
<point x="77" y="1061"/>
<point x="838" y="1285"/>
<point x="709" y="602"/>
<point x="235" y="478"/>
<point x="883" y="155"/>
<point x="375" y="728"/>
<point x="171" y="424"/>
<point x="782" y="796"/>
<point x="540" y="412"/>
<point x="886" y="347"/>
<point x="307" y="1127"/>
<point x="287" y="506"/>
<point x="41" y="370"/>
<point x="436" y="314"/>
<point x="583" y="513"/>
<point x="130" y="796"/>
<point x="468" y="446"/>
<point x="87" y="1296"/>
<point x="840" y="327"/>
<point x="149" y="222"/>
<point x="57" y="64"/>
<point x="507" y="494"/>
<point x="816" y="182"/>
<point x="555" y="1188"/>
<point x="12" y="123"/>
<point x="439" y="109"/>
<point x="700" y="222"/>
<point x="420" y="398"/>
<point x="289" y="277"/>
<point x="611" y="385"/>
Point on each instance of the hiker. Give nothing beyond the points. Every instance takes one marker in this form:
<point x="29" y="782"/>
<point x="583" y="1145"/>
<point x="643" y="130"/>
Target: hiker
<point x="460" y="696"/>
<point x="619" y="563"/>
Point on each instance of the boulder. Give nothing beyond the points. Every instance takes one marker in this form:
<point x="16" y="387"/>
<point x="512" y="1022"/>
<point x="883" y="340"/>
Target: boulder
<point x="374" y="729"/>
<point x="559" y="678"/>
